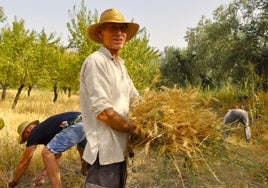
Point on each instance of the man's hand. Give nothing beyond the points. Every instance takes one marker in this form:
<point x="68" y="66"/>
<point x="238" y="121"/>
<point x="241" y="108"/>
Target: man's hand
<point x="11" y="183"/>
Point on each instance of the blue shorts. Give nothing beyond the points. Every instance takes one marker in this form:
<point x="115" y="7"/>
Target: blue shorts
<point x="67" y="138"/>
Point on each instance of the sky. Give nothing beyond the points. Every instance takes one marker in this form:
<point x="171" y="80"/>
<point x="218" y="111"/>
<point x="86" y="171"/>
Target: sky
<point x="166" y="21"/>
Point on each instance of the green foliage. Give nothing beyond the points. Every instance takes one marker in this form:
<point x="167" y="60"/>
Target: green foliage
<point x="231" y="47"/>
<point x="80" y="20"/>
<point x="141" y="60"/>
<point x="225" y="47"/>
<point x="16" y="55"/>
<point x="176" y="68"/>
<point x="32" y="59"/>
<point x="47" y="49"/>
<point x="2" y="15"/>
<point x="70" y="69"/>
<point x="38" y="59"/>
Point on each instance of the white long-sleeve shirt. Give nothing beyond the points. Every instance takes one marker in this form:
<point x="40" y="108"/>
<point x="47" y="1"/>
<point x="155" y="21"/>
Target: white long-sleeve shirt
<point x="104" y="83"/>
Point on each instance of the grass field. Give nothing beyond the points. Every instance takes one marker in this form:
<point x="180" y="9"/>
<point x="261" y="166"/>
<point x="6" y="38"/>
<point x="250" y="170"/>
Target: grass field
<point x="214" y="163"/>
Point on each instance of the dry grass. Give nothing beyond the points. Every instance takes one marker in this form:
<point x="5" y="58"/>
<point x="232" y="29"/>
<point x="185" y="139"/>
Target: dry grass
<point x="183" y="136"/>
<point x="181" y="144"/>
<point x="38" y="106"/>
<point x="174" y="121"/>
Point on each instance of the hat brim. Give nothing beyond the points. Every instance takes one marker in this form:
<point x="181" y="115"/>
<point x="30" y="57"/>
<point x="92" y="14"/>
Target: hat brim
<point x="93" y="31"/>
<point x="20" y="139"/>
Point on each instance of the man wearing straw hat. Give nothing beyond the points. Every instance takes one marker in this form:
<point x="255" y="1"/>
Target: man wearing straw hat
<point x="58" y="133"/>
<point x="105" y="92"/>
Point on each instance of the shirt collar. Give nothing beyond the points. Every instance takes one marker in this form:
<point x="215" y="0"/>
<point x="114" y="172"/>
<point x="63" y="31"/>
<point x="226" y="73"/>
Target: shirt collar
<point x="106" y="52"/>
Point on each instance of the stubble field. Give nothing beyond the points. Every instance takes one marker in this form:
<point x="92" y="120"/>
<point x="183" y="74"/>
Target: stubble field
<point x="200" y="158"/>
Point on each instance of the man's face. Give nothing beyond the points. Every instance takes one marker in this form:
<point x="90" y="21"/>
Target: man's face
<point x="114" y="35"/>
<point x="26" y="133"/>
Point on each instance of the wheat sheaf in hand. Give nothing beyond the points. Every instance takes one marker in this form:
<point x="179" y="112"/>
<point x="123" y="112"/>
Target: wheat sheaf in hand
<point x="173" y="120"/>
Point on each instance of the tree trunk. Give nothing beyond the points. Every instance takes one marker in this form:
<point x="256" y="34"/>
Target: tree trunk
<point x="29" y="90"/>
<point x="17" y="96"/>
<point x="4" y="92"/>
<point x="69" y="91"/>
<point x="64" y="90"/>
<point x="55" y="89"/>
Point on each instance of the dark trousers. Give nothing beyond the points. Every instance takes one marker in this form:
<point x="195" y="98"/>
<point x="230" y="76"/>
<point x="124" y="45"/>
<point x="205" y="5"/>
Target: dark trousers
<point x="108" y="176"/>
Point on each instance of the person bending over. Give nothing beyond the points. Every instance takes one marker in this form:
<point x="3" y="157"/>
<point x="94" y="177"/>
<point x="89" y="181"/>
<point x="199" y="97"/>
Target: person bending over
<point x="58" y="133"/>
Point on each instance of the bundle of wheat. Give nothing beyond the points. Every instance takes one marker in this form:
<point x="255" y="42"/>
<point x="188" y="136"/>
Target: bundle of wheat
<point x="173" y="120"/>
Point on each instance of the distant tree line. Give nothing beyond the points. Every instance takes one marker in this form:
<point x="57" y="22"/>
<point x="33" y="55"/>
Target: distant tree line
<point x="230" y="48"/>
<point x="30" y="59"/>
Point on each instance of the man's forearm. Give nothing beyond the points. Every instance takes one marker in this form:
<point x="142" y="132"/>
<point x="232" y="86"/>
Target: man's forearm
<point x="23" y="164"/>
<point x="19" y="172"/>
<point x="111" y="118"/>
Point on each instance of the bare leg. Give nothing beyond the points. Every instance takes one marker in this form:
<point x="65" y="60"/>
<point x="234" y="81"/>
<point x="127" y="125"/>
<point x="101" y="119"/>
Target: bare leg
<point x="51" y="163"/>
<point x="83" y="162"/>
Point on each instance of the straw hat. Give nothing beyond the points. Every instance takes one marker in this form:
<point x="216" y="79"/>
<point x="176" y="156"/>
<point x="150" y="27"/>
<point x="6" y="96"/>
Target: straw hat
<point x="2" y="123"/>
<point x="112" y="16"/>
<point x="22" y="127"/>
